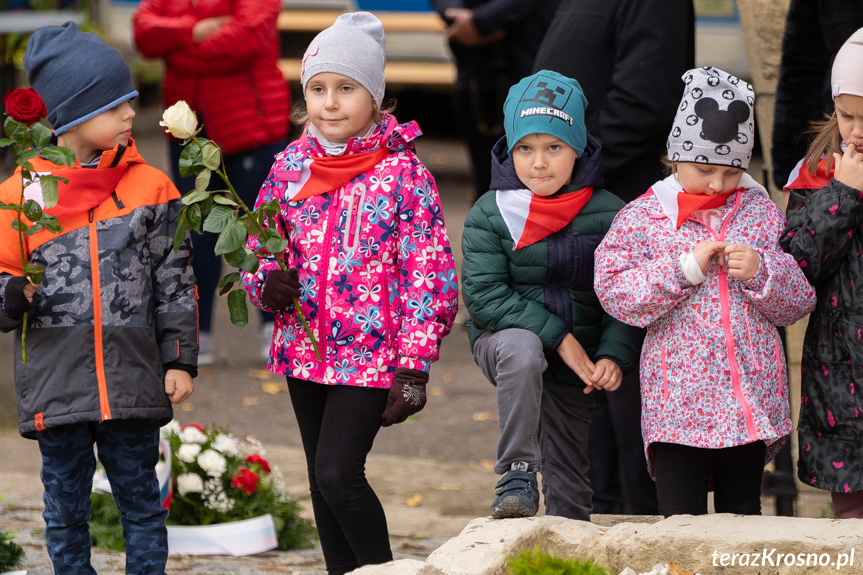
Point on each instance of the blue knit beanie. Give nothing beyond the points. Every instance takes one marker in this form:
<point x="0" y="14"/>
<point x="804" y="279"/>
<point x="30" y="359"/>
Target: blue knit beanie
<point x="546" y="103"/>
<point x="76" y="73"/>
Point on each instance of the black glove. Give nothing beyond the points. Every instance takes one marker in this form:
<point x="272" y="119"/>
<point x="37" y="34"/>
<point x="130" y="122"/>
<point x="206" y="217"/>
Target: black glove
<point x="14" y="300"/>
<point x="407" y="395"/>
<point x="280" y="288"/>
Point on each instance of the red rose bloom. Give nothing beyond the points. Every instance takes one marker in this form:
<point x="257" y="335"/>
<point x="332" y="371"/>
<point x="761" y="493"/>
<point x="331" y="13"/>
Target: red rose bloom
<point x="24" y="105"/>
<point x="255" y="458"/>
<point x="246" y="480"/>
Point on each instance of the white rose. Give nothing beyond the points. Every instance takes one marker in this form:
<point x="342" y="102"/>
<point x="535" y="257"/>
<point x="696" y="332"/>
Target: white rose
<point x="226" y="444"/>
<point x="188" y="452"/>
<point x="213" y="463"/>
<point x="189" y="483"/>
<point x="192" y="435"/>
<point x="180" y="120"/>
<point x="169" y="429"/>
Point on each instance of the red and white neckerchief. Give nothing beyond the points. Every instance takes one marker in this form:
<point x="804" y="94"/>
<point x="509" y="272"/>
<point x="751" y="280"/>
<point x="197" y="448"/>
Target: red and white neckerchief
<point x="531" y="218"/>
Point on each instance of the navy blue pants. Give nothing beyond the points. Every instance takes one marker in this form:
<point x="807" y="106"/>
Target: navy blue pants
<point x="247" y="172"/>
<point x="128" y="450"/>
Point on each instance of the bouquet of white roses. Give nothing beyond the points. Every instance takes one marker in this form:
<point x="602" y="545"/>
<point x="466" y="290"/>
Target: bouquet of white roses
<point x="219" y="479"/>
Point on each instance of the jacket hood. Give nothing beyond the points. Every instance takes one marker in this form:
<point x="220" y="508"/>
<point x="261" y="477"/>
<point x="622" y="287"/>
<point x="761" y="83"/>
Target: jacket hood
<point x="587" y="170"/>
<point x="389" y="133"/>
<point x="86" y="187"/>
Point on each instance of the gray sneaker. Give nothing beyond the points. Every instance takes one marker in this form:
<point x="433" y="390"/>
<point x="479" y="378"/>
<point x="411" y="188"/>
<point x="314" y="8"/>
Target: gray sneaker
<point x="517" y="495"/>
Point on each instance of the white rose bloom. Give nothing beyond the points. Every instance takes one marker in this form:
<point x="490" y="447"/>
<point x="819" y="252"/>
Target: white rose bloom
<point x="213" y="463"/>
<point x="188" y="452"/>
<point x="180" y="120"/>
<point x="172" y="428"/>
<point x="226" y="444"/>
<point x="189" y="483"/>
<point x="193" y="435"/>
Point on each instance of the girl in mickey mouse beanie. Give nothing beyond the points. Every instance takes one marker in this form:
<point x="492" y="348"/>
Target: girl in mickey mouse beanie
<point x="825" y="207"/>
<point x="696" y="261"/>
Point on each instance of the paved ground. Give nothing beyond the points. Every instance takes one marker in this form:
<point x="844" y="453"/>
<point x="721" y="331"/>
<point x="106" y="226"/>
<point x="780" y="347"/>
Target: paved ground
<point x="432" y="473"/>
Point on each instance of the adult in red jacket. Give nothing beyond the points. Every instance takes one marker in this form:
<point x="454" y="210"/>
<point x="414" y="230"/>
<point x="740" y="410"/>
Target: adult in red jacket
<point x="221" y="57"/>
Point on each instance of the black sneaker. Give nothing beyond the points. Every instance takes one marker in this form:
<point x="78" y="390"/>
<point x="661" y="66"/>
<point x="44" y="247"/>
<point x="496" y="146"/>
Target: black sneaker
<point x="517" y="495"/>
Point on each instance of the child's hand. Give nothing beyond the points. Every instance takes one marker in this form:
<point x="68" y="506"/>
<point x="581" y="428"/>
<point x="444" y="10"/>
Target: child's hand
<point x="849" y="168"/>
<point x="18" y="296"/>
<point x="742" y="260"/>
<point x="704" y="252"/>
<point x="178" y="385"/>
<point x="607" y="375"/>
<point x="575" y="357"/>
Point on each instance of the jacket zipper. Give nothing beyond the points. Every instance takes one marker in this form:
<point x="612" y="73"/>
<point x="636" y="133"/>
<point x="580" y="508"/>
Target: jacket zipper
<point x="104" y="405"/>
<point x="725" y="306"/>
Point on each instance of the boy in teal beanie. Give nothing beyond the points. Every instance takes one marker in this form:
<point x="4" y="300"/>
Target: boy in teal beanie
<point x="536" y="328"/>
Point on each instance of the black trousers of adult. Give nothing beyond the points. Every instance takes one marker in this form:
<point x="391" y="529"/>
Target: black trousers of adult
<point x="618" y="470"/>
<point x="338" y="425"/>
<point x="683" y="474"/>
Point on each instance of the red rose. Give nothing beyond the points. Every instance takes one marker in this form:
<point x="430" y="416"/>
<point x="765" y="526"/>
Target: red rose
<point x="255" y="458"/>
<point x="246" y="480"/>
<point x="24" y="105"/>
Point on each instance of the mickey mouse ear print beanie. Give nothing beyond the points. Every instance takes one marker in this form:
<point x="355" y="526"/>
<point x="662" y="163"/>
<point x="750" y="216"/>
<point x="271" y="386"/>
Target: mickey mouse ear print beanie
<point x="846" y="77"/>
<point x="76" y="73"/>
<point x="714" y="123"/>
<point x="354" y="46"/>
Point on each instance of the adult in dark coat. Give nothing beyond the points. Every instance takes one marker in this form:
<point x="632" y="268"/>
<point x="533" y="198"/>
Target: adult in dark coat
<point x="814" y="32"/>
<point x="629" y="56"/>
<point x="494" y="43"/>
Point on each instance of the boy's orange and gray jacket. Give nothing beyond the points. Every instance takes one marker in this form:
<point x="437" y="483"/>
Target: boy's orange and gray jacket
<point x="116" y="306"/>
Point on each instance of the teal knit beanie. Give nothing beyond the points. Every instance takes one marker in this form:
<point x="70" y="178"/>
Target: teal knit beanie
<point x="546" y="103"/>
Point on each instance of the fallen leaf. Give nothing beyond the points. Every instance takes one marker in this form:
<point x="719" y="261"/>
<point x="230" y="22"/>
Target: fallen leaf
<point x="414" y="501"/>
<point x="436" y="391"/>
<point x="675" y="569"/>
<point x="251" y="401"/>
<point x="485" y="463"/>
<point x="484" y="416"/>
<point x="448" y="377"/>
<point x="260" y="374"/>
<point x="186" y="407"/>
<point x="274" y="388"/>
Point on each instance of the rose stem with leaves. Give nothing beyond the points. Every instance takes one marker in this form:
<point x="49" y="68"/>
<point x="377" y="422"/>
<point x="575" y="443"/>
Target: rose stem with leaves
<point x="220" y="170"/>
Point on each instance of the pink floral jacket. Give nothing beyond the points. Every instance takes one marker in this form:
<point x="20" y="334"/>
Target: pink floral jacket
<point x="377" y="281"/>
<point x="712" y="366"/>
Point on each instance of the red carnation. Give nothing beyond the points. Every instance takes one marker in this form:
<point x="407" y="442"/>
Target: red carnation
<point x="197" y="426"/>
<point x="255" y="458"/>
<point x="246" y="480"/>
<point x="24" y="105"/>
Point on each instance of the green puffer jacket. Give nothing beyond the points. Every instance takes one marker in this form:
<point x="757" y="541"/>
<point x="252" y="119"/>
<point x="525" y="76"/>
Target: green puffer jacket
<point x="545" y="287"/>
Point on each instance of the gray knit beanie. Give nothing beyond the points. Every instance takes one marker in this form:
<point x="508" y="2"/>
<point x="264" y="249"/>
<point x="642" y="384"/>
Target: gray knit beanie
<point x="714" y="123"/>
<point x="354" y="46"/>
<point x="76" y="73"/>
<point x="846" y="78"/>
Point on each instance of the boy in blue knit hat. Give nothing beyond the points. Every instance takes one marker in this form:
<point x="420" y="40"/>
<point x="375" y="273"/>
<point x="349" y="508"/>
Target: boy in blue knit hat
<point x="536" y="328"/>
<point x="111" y="332"/>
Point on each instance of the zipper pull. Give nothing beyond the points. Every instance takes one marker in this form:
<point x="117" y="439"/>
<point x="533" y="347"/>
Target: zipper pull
<point x="90" y="217"/>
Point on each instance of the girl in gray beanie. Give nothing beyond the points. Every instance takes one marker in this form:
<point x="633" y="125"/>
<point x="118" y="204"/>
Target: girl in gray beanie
<point x="373" y="269"/>
<point x="825" y="237"/>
